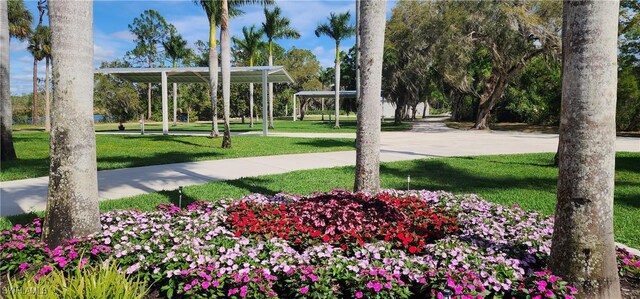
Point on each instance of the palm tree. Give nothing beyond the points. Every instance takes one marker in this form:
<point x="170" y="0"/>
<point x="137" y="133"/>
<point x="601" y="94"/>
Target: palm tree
<point x="36" y="48"/>
<point x="276" y="26"/>
<point x="46" y="49"/>
<point x="176" y="48"/>
<point x="15" y="21"/>
<point x="72" y="201"/>
<point x="583" y="248"/>
<point x="250" y="45"/>
<point x="372" y="20"/>
<point x="338" y="29"/>
<point x="225" y="61"/>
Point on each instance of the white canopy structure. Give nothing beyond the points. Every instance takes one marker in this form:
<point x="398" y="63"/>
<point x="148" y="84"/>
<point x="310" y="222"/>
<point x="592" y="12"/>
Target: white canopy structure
<point x="318" y="94"/>
<point x="255" y="74"/>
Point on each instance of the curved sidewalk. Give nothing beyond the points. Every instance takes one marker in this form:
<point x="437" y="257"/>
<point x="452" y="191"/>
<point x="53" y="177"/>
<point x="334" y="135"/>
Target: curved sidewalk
<point x="427" y="139"/>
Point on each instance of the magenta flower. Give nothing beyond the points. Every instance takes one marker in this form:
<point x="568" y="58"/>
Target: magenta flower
<point x="304" y="290"/>
<point x="205" y="285"/>
<point x="542" y="285"/>
<point x="358" y="294"/>
<point x="23" y="267"/>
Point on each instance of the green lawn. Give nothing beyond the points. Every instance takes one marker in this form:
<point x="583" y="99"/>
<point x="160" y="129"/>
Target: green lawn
<point x="347" y="125"/>
<point x="528" y="180"/>
<point x="121" y="151"/>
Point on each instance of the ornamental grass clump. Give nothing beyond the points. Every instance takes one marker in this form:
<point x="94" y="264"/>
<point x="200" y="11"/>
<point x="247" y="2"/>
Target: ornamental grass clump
<point x="339" y="244"/>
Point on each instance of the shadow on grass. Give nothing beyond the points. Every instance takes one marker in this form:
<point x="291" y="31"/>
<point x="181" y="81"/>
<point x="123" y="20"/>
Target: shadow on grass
<point x="116" y="162"/>
<point x="253" y="185"/>
<point x="547" y="163"/>
<point x="23" y="219"/>
<point x="328" y="142"/>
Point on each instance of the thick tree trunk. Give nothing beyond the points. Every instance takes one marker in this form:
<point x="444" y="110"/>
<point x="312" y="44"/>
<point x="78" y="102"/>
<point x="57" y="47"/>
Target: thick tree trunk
<point x="72" y="204"/>
<point x="225" y="48"/>
<point x="583" y="248"/>
<point x="372" y="19"/>
<point x="337" y="79"/>
<point x="488" y="100"/>
<point x="213" y="79"/>
<point x="7" y="151"/>
<point x="34" y="117"/>
<point x="425" y="109"/>
<point x="250" y="105"/>
<point x="47" y="101"/>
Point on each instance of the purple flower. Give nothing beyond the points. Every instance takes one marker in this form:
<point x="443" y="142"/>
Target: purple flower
<point x="358" y="294"/>
<point x="304" y="290"/>
<point x="542" y="285"/>
<point x="205" y="285"/>
<point x="23" y="267"/>
<point x="243" y="291"/>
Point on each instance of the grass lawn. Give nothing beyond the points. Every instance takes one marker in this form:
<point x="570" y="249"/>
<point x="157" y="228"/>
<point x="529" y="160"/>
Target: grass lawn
<point x="528" y="180"/>
<point x="120" y="151"/>
<point x="524" y="127"/>
<point x="347" y="125"/>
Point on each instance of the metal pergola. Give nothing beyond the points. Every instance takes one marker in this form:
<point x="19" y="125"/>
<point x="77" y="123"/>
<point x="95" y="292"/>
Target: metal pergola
<point x="255" y="74"/>
<point x="319" y="94"/>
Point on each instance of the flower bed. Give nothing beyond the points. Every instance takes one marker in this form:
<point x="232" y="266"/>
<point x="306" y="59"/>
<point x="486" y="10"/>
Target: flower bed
<point x="393" y="245"/>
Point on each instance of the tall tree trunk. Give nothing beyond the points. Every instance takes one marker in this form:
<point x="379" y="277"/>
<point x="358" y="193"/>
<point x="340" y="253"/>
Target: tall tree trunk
<point x="270" y="89"/>
<point x="213" y="78"/>
<point x="322" y="107"/>
<point x="425" y="109"/>
<point x="175" y="104"/>
<point x="488" y="100"/>
<point x="34" y="118"/>
<point x="47" y="101"/>
<point x="7" y="151"/>
<point x="337" y="87"/>
<point x="225" y="59"/>
<point x="583" y="248"/>
<point x="372" y="20"/>
<point x="72" y="203"/>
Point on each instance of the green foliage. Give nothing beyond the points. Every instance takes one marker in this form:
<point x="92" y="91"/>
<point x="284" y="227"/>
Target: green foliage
<point x="20" y="19"/>
<point x="150" y="30"/>
<point x="628" y="103"/>
<point x="102" y="281"/>
<point x="40" y="43"/>
<point x="175" y="47"/>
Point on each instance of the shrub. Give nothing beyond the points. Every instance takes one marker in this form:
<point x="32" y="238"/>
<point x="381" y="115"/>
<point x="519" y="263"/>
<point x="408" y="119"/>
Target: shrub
<point x="102" y="281"/>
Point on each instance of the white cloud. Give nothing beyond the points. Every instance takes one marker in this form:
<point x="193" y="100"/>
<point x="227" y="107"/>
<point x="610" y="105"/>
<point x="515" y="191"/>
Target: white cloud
<point x="17" y="46"/>
<point x="319" y="50"/>
<point x="26" y="59"/>
<point x="124" y="35"/>
<point x="101" y="54"/>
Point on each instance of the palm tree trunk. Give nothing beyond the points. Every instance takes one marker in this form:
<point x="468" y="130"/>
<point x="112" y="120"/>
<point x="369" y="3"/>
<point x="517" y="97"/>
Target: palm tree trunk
<point x="583" y="248"/>
<point x="337" y="78"/>
<point x="322" y="107"/>
<point x="372" y="20"/>
<point x="35" y="92"/>
<point x="47" y="100"/>
<point x="213" y="78"/>
<point x="225" y="59"/>
<point x="270" y="90"/>
<point x="72" y="203"/>
<point x="7" y="151"/>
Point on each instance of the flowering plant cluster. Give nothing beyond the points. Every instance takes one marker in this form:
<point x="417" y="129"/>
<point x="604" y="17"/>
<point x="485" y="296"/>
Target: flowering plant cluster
<point x="628" y="264"/>
<point x="343" y="218"/>
<point x="338" y="244"/>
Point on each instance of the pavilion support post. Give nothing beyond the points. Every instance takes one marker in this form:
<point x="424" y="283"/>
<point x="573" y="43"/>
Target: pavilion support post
<point x="265" y="104"/>
<point x="165" y="105"/>
<point x="294" y="107"/>
<point x="175" y="104"/>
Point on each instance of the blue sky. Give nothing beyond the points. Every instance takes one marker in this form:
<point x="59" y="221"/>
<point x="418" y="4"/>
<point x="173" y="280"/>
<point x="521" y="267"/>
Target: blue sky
<point x="112" y="37"/>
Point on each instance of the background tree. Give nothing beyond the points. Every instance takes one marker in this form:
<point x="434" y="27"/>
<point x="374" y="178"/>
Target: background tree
<point x="275" y="27"/>
<point x="303" y="67"/>
<point x="248" y="46"/>
<point x="150" y="30"/>
<point x="118" y="98"/>
<point x="12" y="16"/>
<point x="39" y="48"/>
<point x="583" y="248"/>
<point x="337" y="28"/>
<point x="72" y="203"/>
<point x="175" y="47"/>
<point x="372" y="18"/>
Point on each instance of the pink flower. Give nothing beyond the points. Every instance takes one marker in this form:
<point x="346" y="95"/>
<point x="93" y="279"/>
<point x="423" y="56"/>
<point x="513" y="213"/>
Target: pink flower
<point x="186" y="287"/>
<point x="542" y="285"/>
<point x="304" y="290"/>
<point x="23" y="267"/>
<point x="358" y="294"/>
<point x="243" y="291"/>
<point x="205" y="285"/>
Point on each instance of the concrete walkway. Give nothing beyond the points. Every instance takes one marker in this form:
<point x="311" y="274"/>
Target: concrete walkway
<point x="427" y="139"/>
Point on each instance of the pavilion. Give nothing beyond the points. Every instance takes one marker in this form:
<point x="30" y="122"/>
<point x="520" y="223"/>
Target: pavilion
<point x="255" y="74"/>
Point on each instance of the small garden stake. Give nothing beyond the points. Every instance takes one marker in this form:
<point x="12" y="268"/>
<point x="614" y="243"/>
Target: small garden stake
<point x="408" y="182"/>
<point x="180" y="197"/>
